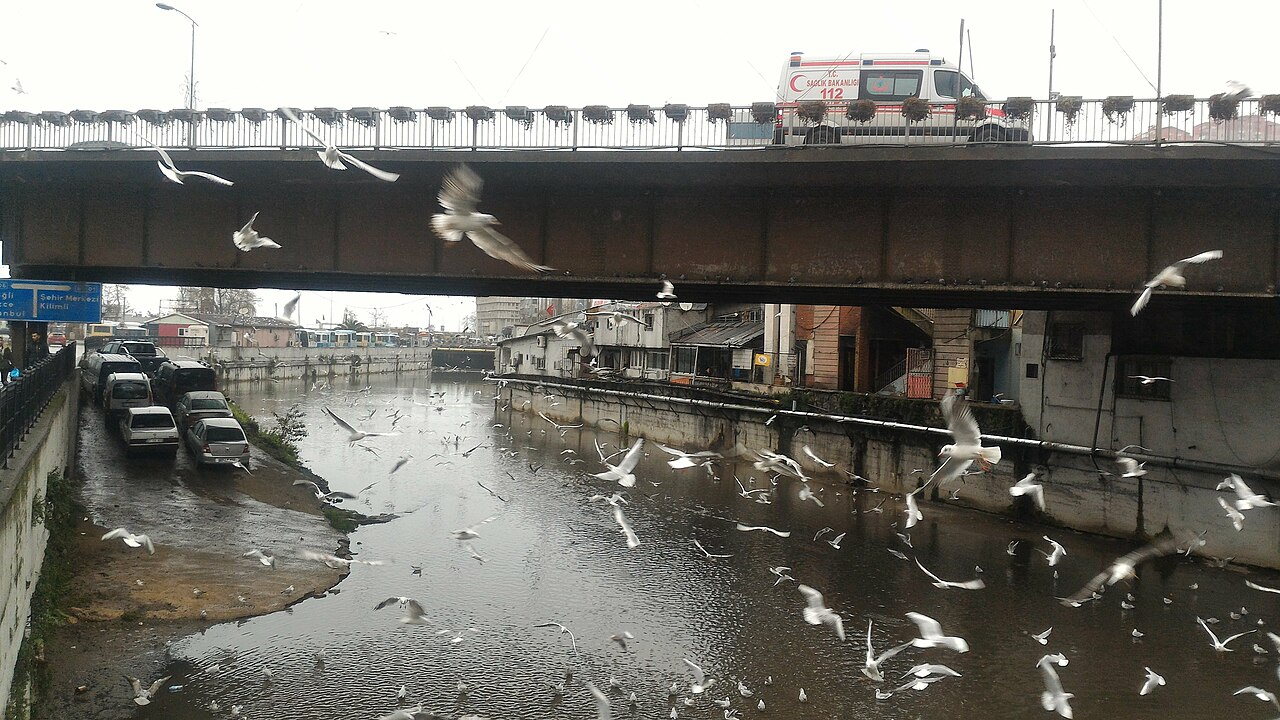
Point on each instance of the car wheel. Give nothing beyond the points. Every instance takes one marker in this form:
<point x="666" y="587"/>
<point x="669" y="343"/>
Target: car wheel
<point x="988" y="133"/>
<point x="822" y="135"/>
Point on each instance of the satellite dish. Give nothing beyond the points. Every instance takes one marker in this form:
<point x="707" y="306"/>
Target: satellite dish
<point x="245" y="310"/>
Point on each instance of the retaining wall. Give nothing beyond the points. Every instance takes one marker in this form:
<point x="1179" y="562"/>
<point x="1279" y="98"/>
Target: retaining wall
<point x="49" y="446"/>
<point x="1081" y="492"/>
<point x="246" y="364"/>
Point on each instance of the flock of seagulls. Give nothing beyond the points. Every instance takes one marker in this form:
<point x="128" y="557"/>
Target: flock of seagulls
<point x="956" y="457"/>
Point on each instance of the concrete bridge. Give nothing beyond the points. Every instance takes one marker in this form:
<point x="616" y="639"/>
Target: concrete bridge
<point x="990" y="225"/>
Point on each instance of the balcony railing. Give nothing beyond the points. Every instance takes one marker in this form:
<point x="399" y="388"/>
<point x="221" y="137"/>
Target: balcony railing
<point x="724" y="127"/>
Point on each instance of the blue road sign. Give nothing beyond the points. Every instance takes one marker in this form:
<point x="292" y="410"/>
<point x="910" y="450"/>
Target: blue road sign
<point x="50" y="301"/>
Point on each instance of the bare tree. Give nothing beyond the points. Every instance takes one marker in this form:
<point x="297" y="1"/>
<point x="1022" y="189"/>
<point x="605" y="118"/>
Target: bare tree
<point x="221" y="301"/>
<point x="115" y="302"/>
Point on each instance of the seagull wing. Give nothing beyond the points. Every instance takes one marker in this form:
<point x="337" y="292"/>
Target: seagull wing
<point x="155" y="686"/>
<point x="499" y="246"/>
<point x="388" y="601"/>
<point x="1142" y="300"/>
<point x="1197" y="259"/>
<point x="207" y="176"/>
<point x="960" y="421"/>
<point x="291" y="305"/>
<point x="632" y="457"/>
<point x="950" y="469"/>
<point x="927" y="625"/>
<point x="812" y="597"/>
<point x="926" y="572"/>
<point x="342" y="423"/>
<point x="604" y="711"/>
<point x="1233" y="637"/>
<point x="460" y="191"/>
<point x="1263" y="588"/>
<point x="117" y="533"/>
<point x="288" y="113"/>
<point x="698" y="676"/>
<point x="136" y="684"/>
<point x="380" y="174"/>
<point x="814" y="456"/>
<point x="413" y="609"/>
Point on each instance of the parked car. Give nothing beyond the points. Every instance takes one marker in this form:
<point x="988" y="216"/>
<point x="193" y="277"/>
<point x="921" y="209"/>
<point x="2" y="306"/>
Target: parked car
<point x="56" y="338"/>
<point x="149" y="429"/>
<point x="176" y="378"/>
<point x="95" y="367"/>
<point x="124" y="390"/>
<point x="144" y="351"/>
<point x="200" y="405"/>
<point x="218" y="441"/>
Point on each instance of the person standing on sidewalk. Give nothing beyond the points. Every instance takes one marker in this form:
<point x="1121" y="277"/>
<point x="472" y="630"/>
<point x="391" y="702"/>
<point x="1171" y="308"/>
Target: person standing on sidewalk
<point x="6" y="362"/>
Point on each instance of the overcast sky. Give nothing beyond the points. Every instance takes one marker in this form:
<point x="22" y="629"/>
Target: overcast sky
<point x="122" y="54"/>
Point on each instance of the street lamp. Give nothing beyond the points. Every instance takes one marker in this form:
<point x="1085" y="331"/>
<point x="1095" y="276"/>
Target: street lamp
<point x="191" y="78"/>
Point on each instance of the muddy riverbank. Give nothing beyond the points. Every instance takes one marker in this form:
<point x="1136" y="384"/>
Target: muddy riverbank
<point x="126" y="606"/>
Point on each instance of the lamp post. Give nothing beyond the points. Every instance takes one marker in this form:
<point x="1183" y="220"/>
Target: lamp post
<point x="191" y="78"/>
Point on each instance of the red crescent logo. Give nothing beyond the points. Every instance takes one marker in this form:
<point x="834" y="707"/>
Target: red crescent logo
<point x="794" y="78"/>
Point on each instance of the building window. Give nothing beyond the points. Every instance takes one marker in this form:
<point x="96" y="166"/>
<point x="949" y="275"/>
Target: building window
<point x="1066" y="341"/>
<point x="648" y="320"/>
<point x="686" y="360"/>
<point x="756" y="315"/>
<point x="657" y="361"/>
<point x="1130" y="385"/>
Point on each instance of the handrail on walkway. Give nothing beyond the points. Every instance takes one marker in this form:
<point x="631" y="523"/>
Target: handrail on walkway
<point x="23" y="399"/>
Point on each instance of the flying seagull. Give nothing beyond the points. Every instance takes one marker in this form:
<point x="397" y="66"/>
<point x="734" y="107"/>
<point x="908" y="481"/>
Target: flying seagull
<point x="413" y="612"/>
<point x="171" y="171"/>
<point x="471" y="533"/>
<point x="246" y="238"/>
<point x="354" y="435"/>
<point x="573" y="330"/>
<point x="1154" y="680"/>
<point x="290" y="306"/>
<point x="931" y="634"/>
<point x="604" y="710"/>
<point x="1237" y="517"/>
<point x="1171" y="277"/>
<point x="265" y="559"/>
<point x="622" y="472"/>
<point x="872" y="666"/>
<point x="563" y="630"/>
<point x="668" y="291"/>
<point x="1025" y="486"/>
<point x="1149" y="379"/>
<point x="1247" y="499"/>
<point x="625" y="527"/>
<point x="141" y="695"/>
<point x="817" y="611"/>
<point x="1221" y="645"/>
<point x="140" y="540"/>
<point x="334" y="158"/>
<point x="945" y="584"/>
<point x="701" y="683"/>
<point x="322" y="495"/>
<point x="1123" y="567"/>
<point x="1053" y="698"/>
<point x="779" y="533"/>
<point x="459" y="196"/>
<point x="967" y="445"/>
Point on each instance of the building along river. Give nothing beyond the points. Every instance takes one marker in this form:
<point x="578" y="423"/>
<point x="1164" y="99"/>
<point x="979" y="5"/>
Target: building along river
<point x="553" y="554"/>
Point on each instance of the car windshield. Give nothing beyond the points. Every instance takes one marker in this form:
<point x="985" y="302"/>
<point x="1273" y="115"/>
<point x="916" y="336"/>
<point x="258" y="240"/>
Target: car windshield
<point x="151" y="421"/>
<point x="208" y="404"/>
<point x="130" y="390"/>
<point x="223" y="434"/>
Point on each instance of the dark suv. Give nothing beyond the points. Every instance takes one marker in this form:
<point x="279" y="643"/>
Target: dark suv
<point x="145" y="352"/>
<point x="176" y="378"/>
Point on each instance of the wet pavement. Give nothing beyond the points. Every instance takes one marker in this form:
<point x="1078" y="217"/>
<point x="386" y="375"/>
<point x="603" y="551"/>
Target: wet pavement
<point x="551" y="554"/>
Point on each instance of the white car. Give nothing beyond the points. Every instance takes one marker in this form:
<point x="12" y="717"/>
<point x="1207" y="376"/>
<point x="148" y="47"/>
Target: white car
<point x="149" y="429"/>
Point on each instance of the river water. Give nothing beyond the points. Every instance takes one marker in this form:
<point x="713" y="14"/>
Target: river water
<point x="553" y="555"/>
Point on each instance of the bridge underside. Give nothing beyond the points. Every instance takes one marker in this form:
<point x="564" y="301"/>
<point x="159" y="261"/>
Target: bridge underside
<point x="1018" y="227"/>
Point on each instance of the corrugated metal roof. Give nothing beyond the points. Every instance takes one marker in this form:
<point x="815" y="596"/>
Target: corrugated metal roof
<point x="721" y="333"/>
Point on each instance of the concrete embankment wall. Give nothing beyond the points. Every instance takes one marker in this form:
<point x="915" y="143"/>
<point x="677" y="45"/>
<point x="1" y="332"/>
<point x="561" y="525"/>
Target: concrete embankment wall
<point x="48" y="447"/>
<point x="1078" y="493"/>
<point x="247" y="364"/>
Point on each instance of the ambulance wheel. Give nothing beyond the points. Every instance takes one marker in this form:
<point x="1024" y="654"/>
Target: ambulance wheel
<point x="822" y="135"/>
<point x="988" y="133"/>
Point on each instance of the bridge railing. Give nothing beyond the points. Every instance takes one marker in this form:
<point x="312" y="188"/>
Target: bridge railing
<point x="23" y="399"/>
<point x="1110" y="120"/>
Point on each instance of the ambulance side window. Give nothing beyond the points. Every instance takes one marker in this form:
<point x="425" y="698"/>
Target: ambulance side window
<point x="889" y="84"/>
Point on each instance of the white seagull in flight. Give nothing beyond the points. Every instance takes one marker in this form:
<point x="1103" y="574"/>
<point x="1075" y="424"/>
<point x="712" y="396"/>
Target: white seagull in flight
<point x="817" y="611"/>
<point x="246" y="239"/>
<point x="1034" y="490"/>
<point x="133" y="541"/>
<point x="967" y="445"/>
<point x="354" y="435"/>
<point x="931" y="634"/>
<point x="459" y="196"/>
<point x="622" y="472"/>
<point x="1221" y="645"/>
<point x="871" y="668"/>
<point x="1053" y="698"/>
<point x="333" y="157"/>
<point x="1171" y="277"/>
<point x="171" y="171"/>
<point x="946" y="584"/>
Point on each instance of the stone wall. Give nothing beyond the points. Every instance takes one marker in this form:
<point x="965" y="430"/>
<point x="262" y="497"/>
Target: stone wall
<point x="1077" y="493"/>
<point x="244" y="364"/>
<point x="49" y="447"/>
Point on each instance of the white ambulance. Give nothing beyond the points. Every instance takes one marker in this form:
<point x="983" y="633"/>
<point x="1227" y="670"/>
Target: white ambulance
<point x="887" y="80"/>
